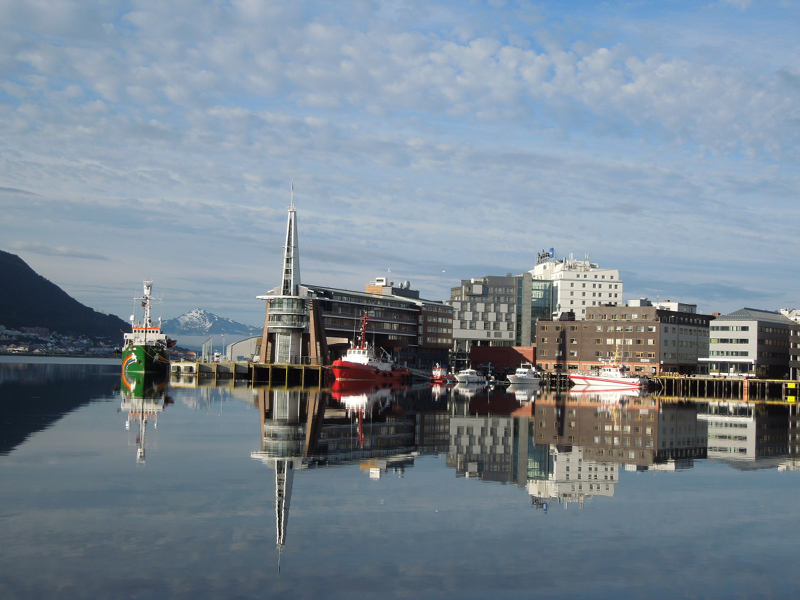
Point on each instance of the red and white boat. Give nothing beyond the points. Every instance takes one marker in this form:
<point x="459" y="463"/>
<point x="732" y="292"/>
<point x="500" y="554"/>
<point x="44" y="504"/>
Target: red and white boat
<point x="441" y="375"/>
<point x="361" y="363"/>
<point x="610" y="377"/>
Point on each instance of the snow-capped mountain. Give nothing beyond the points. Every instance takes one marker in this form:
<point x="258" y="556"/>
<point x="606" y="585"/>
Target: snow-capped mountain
<point x="202" y="322"/>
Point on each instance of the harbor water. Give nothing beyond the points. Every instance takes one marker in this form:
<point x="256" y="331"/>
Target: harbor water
<point x="122" y="488"/>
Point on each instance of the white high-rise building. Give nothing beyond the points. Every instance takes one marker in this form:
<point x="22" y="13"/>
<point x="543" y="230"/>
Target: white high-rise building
<point x="577" y="284"/>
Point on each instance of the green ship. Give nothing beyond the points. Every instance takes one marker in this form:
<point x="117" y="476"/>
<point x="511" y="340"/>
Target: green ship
<point x="145" y="349"/>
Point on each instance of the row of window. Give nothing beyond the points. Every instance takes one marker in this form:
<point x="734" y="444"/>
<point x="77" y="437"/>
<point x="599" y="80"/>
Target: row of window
<point x="635" y="316"/>
<point x="595" y="286"/>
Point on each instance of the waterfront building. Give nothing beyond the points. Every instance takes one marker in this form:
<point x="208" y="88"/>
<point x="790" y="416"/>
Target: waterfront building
<point x="568" y="286"/>
<point x="753" y="343"/>
<point x="648" y="338"/>
<point x="303" y="320"/>
<point x="292" y="330"/>
<point x="794" y="359"/>
<point x="416" y="331"/>
<point x="491" y="311"/>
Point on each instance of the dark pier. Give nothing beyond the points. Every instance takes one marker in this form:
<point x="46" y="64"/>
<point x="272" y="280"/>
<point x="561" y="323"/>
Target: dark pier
<point x="277" y="375"/>
<point x="725" y="388"/>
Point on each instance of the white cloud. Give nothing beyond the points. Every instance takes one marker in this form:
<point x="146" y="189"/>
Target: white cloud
<point x="192" y="119"/>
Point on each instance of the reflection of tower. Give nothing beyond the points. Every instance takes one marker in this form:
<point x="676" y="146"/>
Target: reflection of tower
<point x="284" y="476"/>
<point x="285" y="440"/>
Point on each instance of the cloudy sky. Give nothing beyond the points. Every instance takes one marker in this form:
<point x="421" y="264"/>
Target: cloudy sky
<point x="439" y="140"/>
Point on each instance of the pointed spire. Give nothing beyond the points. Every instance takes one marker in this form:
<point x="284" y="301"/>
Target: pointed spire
<point x="291" y="253"/>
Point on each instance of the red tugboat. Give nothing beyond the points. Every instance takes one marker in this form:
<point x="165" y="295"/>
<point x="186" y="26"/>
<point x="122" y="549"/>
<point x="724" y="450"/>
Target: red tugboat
<point x="361" y="364"/>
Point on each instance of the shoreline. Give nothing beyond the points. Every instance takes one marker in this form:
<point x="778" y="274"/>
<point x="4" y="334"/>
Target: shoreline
<point x="56" y="359"/>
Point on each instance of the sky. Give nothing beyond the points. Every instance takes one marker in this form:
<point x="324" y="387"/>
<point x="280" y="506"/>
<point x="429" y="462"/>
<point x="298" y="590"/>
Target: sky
<point x="427" y="141"/>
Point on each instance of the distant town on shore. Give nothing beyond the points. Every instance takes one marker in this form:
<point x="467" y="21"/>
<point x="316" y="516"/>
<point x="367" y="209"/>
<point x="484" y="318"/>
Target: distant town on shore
<point x="569" y="313"/>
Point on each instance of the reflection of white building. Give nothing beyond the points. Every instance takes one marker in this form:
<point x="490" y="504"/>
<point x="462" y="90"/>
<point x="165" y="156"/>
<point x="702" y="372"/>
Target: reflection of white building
<point x="746" y="435"/>
<point x="573" y="479"/>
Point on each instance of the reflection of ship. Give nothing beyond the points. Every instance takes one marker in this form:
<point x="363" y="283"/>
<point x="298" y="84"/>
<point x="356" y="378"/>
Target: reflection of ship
<point x="615" y="396"/>
<point x="362" y="364"/>
<point x="611" y="376"/>
<point x="526" y="374"/>
<point x="467" y="390"/>
<point x="438" y="391"/>
<point x="143" y="398"/>
<point x="523" y="393"/>
<point x="145" y="349"/>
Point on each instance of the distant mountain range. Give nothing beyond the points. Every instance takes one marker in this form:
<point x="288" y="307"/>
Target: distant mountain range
<point x="202" y="322"/>
<point x="29" y="300"/>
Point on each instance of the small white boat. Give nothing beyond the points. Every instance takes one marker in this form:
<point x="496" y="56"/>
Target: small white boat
<point x="526" y="374"/>
<point x="469" y="376"/>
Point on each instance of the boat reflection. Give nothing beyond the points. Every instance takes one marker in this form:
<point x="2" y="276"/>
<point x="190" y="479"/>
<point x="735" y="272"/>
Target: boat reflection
<point x="144" y="396"/>
<point x="523" y="393"/>
<point x="468" y="390"/>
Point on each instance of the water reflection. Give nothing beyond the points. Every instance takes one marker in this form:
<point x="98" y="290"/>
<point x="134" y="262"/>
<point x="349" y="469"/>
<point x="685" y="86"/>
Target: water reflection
<point x="73" y="514"/>
<point x="748" y="436"/>
<point x="144" y="396"/>
<point x="560" y="447"/>
<point x="34" y="397"/>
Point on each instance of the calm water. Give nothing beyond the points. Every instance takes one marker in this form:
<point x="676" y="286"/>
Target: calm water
<point x="406" y="493"/>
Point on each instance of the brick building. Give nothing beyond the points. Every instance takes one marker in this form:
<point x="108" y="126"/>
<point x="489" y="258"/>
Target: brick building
<point x="649" y="338"/>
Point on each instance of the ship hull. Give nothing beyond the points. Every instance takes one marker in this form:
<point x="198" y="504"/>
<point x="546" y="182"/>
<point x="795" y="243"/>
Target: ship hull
<point x="526" y="381"/>
<point x="602" y="383"/>
<point x="145" y="359"/>
<point x="347" y="371"/>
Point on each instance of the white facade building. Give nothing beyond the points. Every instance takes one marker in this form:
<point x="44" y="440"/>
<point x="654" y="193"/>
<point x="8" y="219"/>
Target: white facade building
<point x="578" y="285"/>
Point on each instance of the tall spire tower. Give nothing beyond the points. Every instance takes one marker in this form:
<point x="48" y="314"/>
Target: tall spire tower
<point x="287" y="309"/>
<point x="291" y="254"/>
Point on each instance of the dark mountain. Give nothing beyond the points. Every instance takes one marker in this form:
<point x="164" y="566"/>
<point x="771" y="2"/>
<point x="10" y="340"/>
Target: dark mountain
<point x="29" y="300"/>
<point x="202" y="322"/>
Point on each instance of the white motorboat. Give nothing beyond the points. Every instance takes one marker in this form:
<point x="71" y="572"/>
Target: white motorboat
<point x="526" y="374"/>
<point x="469" y="376"/>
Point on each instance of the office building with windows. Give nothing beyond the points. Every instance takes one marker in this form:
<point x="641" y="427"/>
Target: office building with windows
<point x="650" y="340"/>
<point x="566" y="285"/>
<point x="491" y="311"/>
<point x="753" y="343"/>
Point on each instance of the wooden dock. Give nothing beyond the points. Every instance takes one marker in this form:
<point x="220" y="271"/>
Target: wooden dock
<point x="284" y="375"/>
<point x="725" y="388"/>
